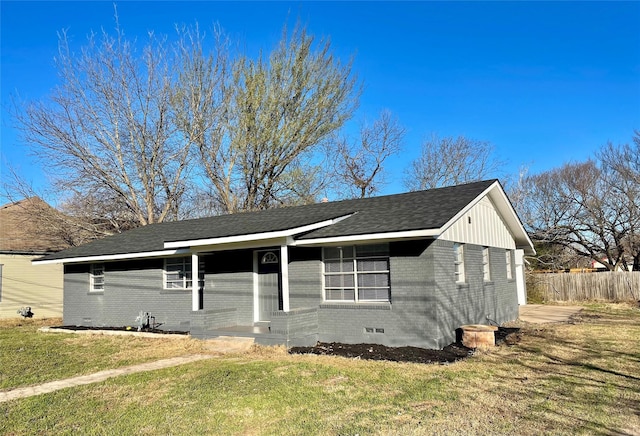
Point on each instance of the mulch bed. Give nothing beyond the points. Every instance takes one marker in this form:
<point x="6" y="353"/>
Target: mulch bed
<point x="449" y="354"/>
<point x="124" y="329"/>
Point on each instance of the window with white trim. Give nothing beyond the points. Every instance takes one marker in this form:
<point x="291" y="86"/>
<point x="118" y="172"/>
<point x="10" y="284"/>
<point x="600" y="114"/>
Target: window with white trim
<point x="486" y="266"/>
<point x="458" y="251"/>
<point x="357" y="273"/>
<point x="96" y="277"/>
<point x="177" y="272"/>
<point x="509" y="265"/>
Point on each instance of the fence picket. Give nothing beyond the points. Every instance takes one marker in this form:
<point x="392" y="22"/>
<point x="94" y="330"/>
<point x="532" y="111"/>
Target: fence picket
<point x="609" y="286"/>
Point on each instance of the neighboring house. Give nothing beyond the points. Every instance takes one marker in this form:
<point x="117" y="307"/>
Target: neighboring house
<point x="22" y="239"/>
<point x="406" y="269"/>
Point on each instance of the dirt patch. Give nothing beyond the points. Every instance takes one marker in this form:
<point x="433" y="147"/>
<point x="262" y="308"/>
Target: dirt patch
<point x="505" y="336"/>
<point x="123" y="329"/>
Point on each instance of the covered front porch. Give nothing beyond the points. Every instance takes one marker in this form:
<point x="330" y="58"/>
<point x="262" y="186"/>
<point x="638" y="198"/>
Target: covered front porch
<point x="296" y="327"/>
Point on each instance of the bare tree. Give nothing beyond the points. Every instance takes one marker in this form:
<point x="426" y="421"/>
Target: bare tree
<point x="590" y="208"/>
<point x="143" y="132"/>
<point x="108" y="130"/>
<point x="358" y="164"/>
<point x="279" y="110"/>
<point x="621" y="173"/>
<point x="451" y="161"/>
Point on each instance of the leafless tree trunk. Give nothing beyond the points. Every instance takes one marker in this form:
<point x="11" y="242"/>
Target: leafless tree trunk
<point x="451" y="161"/>
<point x="359" y="165"/>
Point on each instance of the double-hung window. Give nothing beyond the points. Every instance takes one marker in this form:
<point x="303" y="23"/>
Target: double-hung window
<point x="177" y="273"/>
<point x="486" y="265"/>
<point x="357" y="273"/>
<point x="458" y="252"/>
<point x="96" y="278"/>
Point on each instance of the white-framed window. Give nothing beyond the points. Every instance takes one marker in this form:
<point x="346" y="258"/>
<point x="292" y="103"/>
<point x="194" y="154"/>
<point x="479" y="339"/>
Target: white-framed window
<point x="486" y="265"/>
<point x="96" y="281"/>
<point x="177" y="272"/>
<point x="357" y="273"/>
<point x="509" y="265"/>
<point x="458" y="251"/>
<point x="269" y="257"/>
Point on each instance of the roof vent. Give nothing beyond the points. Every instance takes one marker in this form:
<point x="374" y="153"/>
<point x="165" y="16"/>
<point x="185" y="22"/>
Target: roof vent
<point x="324" y="200"/>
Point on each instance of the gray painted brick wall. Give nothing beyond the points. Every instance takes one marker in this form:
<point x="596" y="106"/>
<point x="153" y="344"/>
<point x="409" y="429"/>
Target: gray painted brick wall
<point x="426" y="308"/>
<point x="79" y="306"/>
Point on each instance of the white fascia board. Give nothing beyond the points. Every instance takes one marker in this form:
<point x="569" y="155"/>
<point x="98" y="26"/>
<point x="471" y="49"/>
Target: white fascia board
<point x="108" y="257"/>
<point x="253" y="236"/>
<point x="379" y="237"/>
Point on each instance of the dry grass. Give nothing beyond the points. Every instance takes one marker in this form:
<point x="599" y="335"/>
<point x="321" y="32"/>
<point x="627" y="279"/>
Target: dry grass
<point x="581" y="377"/>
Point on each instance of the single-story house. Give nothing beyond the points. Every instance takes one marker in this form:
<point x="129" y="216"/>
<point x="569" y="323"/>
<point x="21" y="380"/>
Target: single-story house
<point x="406" y="269"/>
<point x="22" y="240"/>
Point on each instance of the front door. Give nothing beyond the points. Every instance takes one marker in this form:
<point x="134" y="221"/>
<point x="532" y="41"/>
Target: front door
<point x="269" y="288"/>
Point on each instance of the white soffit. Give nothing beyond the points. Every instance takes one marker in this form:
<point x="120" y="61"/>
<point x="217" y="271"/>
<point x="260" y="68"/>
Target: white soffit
<point x="107" y="257"/>
<point x="253" y="236"/>
<point x="380" y="237"/>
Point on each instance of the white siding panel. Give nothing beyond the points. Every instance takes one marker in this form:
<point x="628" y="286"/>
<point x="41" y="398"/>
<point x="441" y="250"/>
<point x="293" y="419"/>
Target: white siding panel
<point x="24" y="284"/>
<point x="481" y="225"/>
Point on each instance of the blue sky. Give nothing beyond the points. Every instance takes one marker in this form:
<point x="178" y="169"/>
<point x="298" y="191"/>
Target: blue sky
<point x="544" y="82"/>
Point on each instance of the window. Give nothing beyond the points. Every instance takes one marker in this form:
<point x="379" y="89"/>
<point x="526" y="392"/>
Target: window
<point x="177" y="273"/>
<point x="486" y="266"/>
<point x="269" y="257"/>
<point x="458" y="250"/>
<point x="509" y="267"/>
<point x="357" y="273"/>
<point x="96" y="278"/>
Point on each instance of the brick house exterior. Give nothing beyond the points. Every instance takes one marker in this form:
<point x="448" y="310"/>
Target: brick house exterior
<point x="406" y="269"/>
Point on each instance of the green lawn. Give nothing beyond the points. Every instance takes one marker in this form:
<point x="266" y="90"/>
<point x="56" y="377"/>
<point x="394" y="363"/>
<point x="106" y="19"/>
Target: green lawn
<point x="576" y="378"/>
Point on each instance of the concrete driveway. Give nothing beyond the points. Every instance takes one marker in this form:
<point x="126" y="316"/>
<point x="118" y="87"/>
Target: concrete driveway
<point x="543" y="313"/>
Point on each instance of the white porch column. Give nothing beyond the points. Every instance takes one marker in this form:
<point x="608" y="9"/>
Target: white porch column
<point x="195" y="282"/>
<point x="284" y="266"/>
<point x="520" y="282"/>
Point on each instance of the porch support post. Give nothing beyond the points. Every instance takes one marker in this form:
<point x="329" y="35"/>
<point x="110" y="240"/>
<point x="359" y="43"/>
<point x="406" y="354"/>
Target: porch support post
<point x="521" y="285"/>
<point x="195" y="282"/>
<point x="284" y="266"/>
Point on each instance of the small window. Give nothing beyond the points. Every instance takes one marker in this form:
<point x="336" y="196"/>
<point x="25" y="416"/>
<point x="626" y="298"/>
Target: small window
<point x="97" y="277"/>
<point x="509" y="265"/>
<point x="177" y="273"/>
<point x="269" y="257"/>
<point x="458" y="250"/>
<point x="486" y="266"/>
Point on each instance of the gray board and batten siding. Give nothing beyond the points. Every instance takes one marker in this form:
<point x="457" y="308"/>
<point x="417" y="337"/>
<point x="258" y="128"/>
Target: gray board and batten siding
<point x="423" y="304"/>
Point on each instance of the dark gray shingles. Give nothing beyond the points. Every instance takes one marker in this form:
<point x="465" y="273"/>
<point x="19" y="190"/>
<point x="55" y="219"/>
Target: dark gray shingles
<point x="419" y="210"/>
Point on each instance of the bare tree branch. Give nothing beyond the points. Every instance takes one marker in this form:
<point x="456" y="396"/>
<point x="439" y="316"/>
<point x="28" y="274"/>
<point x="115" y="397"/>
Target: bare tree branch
<point x="359" y="165"/>
<point x="451" y="161"/>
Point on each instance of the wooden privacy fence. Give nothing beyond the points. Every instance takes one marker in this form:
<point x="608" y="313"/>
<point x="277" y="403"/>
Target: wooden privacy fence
<point x="609" y="286"/>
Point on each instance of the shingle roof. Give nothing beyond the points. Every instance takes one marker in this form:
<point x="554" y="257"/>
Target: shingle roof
<point x="421" y="210"/>
<point x="23" y="229"/>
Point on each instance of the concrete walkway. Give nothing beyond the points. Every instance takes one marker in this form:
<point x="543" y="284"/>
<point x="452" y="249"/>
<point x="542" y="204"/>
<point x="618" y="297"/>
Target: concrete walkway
<point x="98" y="377"/>
<point x="217" y="346"/>
<point x="543" y="313"/>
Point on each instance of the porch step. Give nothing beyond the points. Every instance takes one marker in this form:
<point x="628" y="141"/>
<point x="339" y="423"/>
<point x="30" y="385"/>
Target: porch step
<point x="261" y="334"/>
<point x="266" y="324"/>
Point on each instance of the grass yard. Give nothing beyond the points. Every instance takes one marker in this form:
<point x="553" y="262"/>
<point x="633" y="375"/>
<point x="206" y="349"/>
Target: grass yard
<point x="576" y="378"/>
